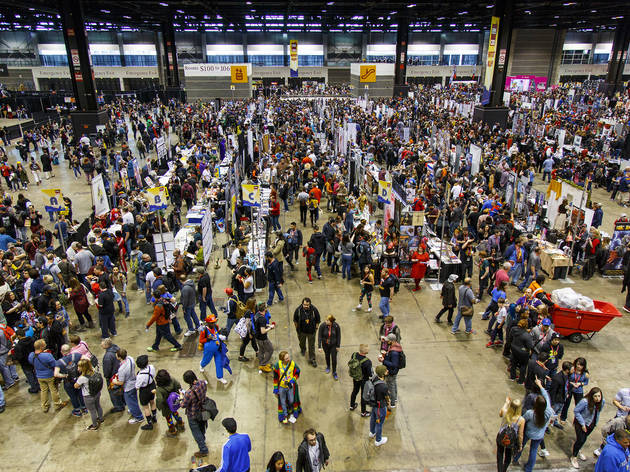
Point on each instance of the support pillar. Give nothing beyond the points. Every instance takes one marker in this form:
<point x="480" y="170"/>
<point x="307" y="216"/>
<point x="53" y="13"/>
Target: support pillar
<point x="500" y="40"/>
<point x="245" y="54"/>
<point x="88" y="116"/>
<point x="400" y="71"/>
<point x="121" y="49"/>
<point x="325" y="48"/>
<point x="364" y="41"/>
<point x="618" y="58"/>
<point x="170" y="55"/>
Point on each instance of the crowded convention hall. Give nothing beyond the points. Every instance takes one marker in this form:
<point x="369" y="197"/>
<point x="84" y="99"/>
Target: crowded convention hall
<point x="226" y="230"/>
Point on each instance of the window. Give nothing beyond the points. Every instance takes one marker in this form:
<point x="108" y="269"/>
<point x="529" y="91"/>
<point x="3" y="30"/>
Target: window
<point x="572" y="56"/>
<point x="140" y="60"/>
<point x="226" y="59"/>
<point x="600" y="58"/>
<point x="469" y="59"/>
<point x="54" y="60"/>
<point x="260" y="60"/>
<point x="388" y="59"/>
<point x="451" y="59"/>
<point x="424" y="60"/>
<point x="310" y="60"/>
<point x="105" y="60"/>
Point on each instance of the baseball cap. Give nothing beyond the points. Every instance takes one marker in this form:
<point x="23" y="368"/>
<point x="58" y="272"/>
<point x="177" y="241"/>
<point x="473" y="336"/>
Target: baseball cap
<point x="546" y="322"/>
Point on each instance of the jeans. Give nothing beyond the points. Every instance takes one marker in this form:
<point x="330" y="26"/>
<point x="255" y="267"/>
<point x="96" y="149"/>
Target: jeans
<point x="504" y="457"/>
<point x="275" y="223"/>
<point x="228" y="326"/>
<point x="164" y="331"/>
<point x="140" y="281"/>
<point x="444" y="310"/>
<point x="285" y="395"/>
<point x="384" y="306"/>
<point x="533" y="448"/>
<point x="302" y="338"/>
<point x="198" y="431"/>
<point x="108" y="325"/>
<point x="546" y="173"/>
<point x="393" y="388"/>
<point x="93" y="405"/>
<point x="120" y="299"/>
<point x="29" y="373"/>
<point x="357" y="386"/>
<point x="191" y="318"/>
<point x="377" y="428"/>
<point x="118" y="401"/>
<point x="207" y="303"/>
<point x="330" y="353"/>
<point x="131" y="400"/>
<point x="2" y="402"/>
<point x="176" y="326"/>
<point x="9" y="372"/>
<point x="467" y="322"/>
<point x="75" y="396"/>
<point x="515" y="272"/>
<point x="529" y="276"/>
<point x="346" y="265"/>
<point x="273" y="289"/>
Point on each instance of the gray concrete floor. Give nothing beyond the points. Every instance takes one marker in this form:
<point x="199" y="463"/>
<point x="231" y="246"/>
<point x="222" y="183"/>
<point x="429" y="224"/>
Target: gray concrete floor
<point x="449" y="393"/>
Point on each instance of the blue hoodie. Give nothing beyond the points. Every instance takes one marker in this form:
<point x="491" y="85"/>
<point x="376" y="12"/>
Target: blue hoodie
<point x="613" y="458"/>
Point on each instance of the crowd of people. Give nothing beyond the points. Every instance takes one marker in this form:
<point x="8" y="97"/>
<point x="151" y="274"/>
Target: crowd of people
<point x="49" y="268"/>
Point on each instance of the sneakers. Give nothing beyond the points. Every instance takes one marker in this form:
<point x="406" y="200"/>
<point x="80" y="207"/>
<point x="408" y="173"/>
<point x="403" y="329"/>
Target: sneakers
<point x="292" y="419"/>
<point x="335" y="376"/>
<point x="369" y="309"/>
<point x="437" y="320"/>
<point x="147" y="427"/>
<point x="92" y="427"/>
<point x="200" y="368"/>
<point x="543" y="452"/>
<point x="189" y="333"/>
<point x="327" y="370"/>
<point x="597" y="452"/>
<point x="490" y="344"/>
<point x="574" y="463"/>
<point x="150" y="349"/>
<point x="498" y="343"/>
<point x="285" y="421"/>
<point x="365" y="414"/>
<point x="61" y="406"/>
<point x="222" y="380"/>
<point x="135" y="421"/>
<point x="371" y="435"/>
<point x="353" y="407"/>
<point x="359" y="306"/>
<point x="175" y="349"/>
<point x="243" y="358"/>
<point x="381" y="442"/>
<point x="625" y="308"/>
<point x="581" y="456"/>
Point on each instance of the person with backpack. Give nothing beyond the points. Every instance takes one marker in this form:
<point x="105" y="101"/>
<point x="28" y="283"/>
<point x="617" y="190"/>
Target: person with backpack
<point x="232" y="306"/>
<point x="285" y="375"/>
<point x="8" y="370"/>
<point x="44" y="363"/>
<point x="188" y="300"/>
<point x="192" y="402"/>
<point x="377" y="393"/>
<point x="67" y="369"/>
<point x="510" y="435"/>
<point x="110" y="367"/>
<point x="126" y="378"/>
<point x="394" y="359"/>
<point x="162" y="309"/>
<point x="294" y="240"/>
<point x="360" y="371"/>
<point x="329" y="340"/>
<point x="145" y="385"/>
<point x="89" y="385"/>
<point x="306" y="319"/>
<point x="211" y="343"/>
<point x="166" y="400"/>
<point x="261" y="328"/>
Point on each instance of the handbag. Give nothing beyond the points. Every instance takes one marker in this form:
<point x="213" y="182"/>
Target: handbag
<point x="467" y="311"/>
<point x="241" y="327"/>
<point x="208" y="409"/>
<point x="89" y="295"/>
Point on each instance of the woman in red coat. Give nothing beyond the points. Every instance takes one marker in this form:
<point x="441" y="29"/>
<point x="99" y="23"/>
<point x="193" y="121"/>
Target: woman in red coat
<point x="420" y="259"/>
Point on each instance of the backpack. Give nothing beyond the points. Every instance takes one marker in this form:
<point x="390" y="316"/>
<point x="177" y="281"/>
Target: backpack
<point x="402" y="360"/>
<point x="95" y="383"/>
<point x="354" y="367"/>
<point x="507" y="437"/>
<point x="369" y="394"/>
<point x="396" y="283"/>
<point x="240" y="309"/>
<point x="72" y="370"/>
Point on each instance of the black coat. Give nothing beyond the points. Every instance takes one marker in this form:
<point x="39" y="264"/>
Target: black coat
<point x="449" y="298"/>
<point x="303" y="463"/>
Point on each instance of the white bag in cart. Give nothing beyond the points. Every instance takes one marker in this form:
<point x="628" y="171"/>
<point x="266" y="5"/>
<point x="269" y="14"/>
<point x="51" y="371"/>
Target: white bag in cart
<point x="568" y="298"/>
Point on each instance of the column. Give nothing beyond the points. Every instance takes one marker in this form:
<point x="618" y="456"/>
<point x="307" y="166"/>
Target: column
<point x="618" y="57"/>
<point x="35" y="43"/>
<point x="325" y="48"/>
<point x="204" y="46"/>
<point x="364" y="41"/>
<point x="170" y="55"/>
<point x="159" y="51"/>
<point x="442" y="43"/>
<point x="245" y="54"/>
<point x="400" y="70"/>
<point x="556" y="57"/>
<point x="121" y="49"/>
<point x="88" y="115"/>
<point x="122" y="84"/>
<point x="591" y="53"/>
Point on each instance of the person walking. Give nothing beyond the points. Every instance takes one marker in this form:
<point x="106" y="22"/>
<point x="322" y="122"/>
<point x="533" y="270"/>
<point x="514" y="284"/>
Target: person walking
<point x="465" y="308"/>
<point x="379" y="406"/>
<point x="393" y="359"/>
<point x="204" y="292"/>
<point x="386" y="289"/>
<point x="91" y="398"/>
<point x="188" y="300"/>
<point x="145" y="384"/>
<point x="192" y="402"/>
<point x="211" y="343"/>
<point x="274" y="277"/>
<point x="285" y="387"/>
<point x="367" y="287"/>
<point x="520" y="349"/>
<point x="313" y="454"/>
<point x="329" y="340"/>
<point x="306" y="320"/>
<point x="586" y="416"/>
<point x="449" y="299"/>
<point x="360" y="370"/>
<point x="44" y="363"/>
<point x="510" y="435"/>
<point x="235" y="455"/>
<point x="261" y="333"/>
<point x="162" y="310"/>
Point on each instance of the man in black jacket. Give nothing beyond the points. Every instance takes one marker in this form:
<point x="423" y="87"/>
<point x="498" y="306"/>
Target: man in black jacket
<point x="318" y="242"/>
<point x="274" y="277"/>
<point x="294" y="242"/>
<point x="316" y="443"/>
<point x="536" y="369"/>
<point x="306" y="319"/>
<point x="329" y="233"/>
<point x="21" y="350"/>
<point x="558" y="390"/>
<point x="110" y="367"/>
<point x="358" y="384"/>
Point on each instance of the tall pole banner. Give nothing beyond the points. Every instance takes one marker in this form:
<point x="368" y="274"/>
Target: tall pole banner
<point x="293" y="63"/>
<point x="492" y="51"/>
<point x="99" y="197"/>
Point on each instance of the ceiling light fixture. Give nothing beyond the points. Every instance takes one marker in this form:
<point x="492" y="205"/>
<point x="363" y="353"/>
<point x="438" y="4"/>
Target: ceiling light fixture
<point x="180" y="11"/>
<point x="569" y="4"/>
<point x="105" y="11"/>
<point x="617" y="17"/>
<point x="462" y="12"/>
<point x="411" y="5"/>
<point x="490" y="6"/>
<point x="330" y="3"/>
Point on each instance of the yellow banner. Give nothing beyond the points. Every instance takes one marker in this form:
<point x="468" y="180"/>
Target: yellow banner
<point x="239" y="74"/>
<point x="158" y="198"/>
<point x="492" y="50"/>
<point x="384" y="192"/>
<point x="251" y="195"/>
<point x="367" y="73"/>
<point x="293" y="56"/>
<point x="53" y="199"/>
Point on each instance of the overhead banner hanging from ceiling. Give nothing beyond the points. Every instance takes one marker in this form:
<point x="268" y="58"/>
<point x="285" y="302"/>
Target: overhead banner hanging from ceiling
<point x="492" y="51"/>
<point x="293" y="53"/>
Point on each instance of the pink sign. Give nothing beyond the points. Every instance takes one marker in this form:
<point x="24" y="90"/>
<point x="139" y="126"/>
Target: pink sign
<point x="526" y="82"/>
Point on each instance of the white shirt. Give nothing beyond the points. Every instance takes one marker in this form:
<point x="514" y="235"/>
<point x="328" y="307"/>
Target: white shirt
<point x="128" y="218"/>
<point x="248" y="280"/>
<point x="313" y="453"/>
<point x="235" y="254"/>
<point x="501" y="315"/>
<point x="455" y="191"/>
<point x="150" y="278"/>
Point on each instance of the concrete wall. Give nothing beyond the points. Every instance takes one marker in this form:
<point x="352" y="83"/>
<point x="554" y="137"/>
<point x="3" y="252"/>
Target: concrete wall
<point x="383" y="87"/>
<point x="531" y="51"/>
<point x="207" y="88"/>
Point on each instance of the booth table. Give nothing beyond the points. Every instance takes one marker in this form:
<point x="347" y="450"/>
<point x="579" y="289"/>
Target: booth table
<point x="451" y="264"/>
<point x="554" y="262"/>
